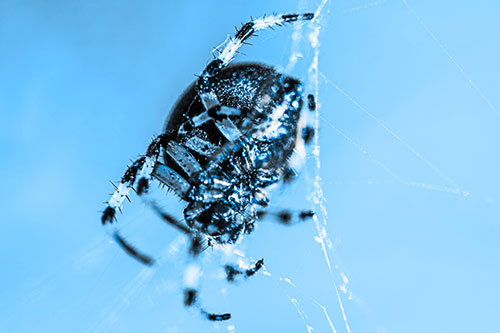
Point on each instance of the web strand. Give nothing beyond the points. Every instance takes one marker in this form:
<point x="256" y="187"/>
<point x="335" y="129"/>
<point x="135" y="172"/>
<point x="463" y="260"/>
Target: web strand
<point x="452" y="59"/>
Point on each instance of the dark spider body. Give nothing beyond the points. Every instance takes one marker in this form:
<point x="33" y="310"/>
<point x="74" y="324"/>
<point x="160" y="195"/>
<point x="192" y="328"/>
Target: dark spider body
<point x="265" y="106"/>
<point x="228" y="138"/>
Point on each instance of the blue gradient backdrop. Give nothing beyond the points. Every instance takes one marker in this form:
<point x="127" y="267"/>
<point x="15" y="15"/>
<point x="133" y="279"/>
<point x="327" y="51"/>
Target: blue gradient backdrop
<point x="85" y="84"/>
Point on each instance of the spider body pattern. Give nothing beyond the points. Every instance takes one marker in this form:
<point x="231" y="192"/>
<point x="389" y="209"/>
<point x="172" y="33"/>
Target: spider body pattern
<point x="230" y="136"/>
<point x="255" y="127"/>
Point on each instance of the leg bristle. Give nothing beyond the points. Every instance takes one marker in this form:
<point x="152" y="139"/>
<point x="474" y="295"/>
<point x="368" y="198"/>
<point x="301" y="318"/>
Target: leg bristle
<point x="108" y="215"/>
<point x="218" y="317"/>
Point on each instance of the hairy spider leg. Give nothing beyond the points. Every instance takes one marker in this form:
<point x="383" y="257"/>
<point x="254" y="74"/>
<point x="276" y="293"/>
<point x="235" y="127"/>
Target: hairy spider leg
<point x="288" y="173"/>
<point x="139" y="175"/>
<point x="229" y="49"/>
<point x="285" y="216"/>
<point x="308" y="134"/>
<point x="191" y="300"/>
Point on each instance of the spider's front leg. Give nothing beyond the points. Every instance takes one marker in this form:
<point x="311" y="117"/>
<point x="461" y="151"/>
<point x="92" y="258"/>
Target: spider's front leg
<point x="232" y="272"/>
<point x="137" y="177"/>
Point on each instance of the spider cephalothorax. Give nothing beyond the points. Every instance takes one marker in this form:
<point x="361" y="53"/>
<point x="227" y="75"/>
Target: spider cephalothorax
<point x="228" y="138"/>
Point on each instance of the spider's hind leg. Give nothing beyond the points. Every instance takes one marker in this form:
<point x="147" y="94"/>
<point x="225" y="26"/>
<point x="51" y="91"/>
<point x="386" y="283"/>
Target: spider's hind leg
<point x="137" y="176"/>
<point x="132" y="251"/>
<point x="247" y="30"/>
<point x="285" y="216"/>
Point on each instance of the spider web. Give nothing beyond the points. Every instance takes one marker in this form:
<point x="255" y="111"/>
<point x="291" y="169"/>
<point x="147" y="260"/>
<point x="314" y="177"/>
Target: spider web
<point x="309" y="282"/>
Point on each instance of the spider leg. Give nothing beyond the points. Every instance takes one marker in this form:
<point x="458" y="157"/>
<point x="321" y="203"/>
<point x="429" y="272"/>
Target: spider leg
<point x="172" y="180"/>
<point x="286" y="216"/>
<point x="257" y="266"/>
<point x="136" y="176"/>
<point x="247" y="30"/>
<point x="308" y="134"/>
<point x="183" y="158"/>
<point x="140" y="173"/>
<point x="309" y="131"/>
<point x="229" y="49"/>
<point x="216" y="317"/>
<point x="200" y="145"/>
<point x="232" y="272"/>
<point x="311" y="103"/>
<point x="169" y="219"/>
<point x="229" y="131"/>
<point x="132" y="251"/>
<point x="288" y="172"/>
<point x="191" y="299"/>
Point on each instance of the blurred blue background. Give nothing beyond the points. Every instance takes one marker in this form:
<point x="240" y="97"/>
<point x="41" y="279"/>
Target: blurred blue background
<point x="409" y="160"/>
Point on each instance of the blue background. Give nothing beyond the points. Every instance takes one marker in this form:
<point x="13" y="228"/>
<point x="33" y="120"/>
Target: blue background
<point x="409" y="164"/>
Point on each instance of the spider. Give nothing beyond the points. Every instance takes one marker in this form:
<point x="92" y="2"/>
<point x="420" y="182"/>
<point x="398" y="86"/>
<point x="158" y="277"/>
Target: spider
<point x="230" y="136"/>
